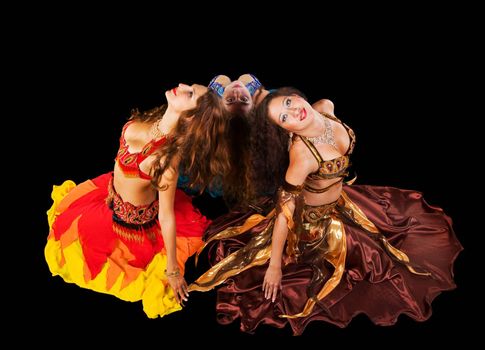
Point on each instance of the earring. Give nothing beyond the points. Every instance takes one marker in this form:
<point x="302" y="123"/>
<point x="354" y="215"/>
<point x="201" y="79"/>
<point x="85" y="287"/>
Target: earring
<point x="290" y="140"/>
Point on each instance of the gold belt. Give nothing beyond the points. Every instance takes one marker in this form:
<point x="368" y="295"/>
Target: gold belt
<point x="313" y="214"/>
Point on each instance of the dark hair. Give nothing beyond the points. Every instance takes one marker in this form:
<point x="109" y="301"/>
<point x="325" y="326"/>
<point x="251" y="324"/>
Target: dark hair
<point x="269" y="146"/>
<point x="201" y="139"/>
<point x="238" y="188"/>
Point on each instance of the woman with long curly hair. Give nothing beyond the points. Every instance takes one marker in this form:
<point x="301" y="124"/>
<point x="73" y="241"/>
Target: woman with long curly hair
<point x="240" y="96"/>
<point x="328" y="250"/>
<point x="129" y="232"/>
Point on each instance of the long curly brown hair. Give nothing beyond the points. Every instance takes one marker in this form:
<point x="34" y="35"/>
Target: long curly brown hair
<point x="148" y="116"/>
<point x="204" y="140"/>
<point x="269" y="146"/>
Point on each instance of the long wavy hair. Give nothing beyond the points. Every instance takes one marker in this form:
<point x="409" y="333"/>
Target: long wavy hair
<point x="238" y="188"/>
<point x="148" y="116"/>
<point x="202" y="140"/>
<point x="269" y="146"/>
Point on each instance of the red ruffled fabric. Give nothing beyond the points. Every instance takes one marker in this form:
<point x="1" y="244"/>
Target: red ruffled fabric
<point x="95" y="226"/>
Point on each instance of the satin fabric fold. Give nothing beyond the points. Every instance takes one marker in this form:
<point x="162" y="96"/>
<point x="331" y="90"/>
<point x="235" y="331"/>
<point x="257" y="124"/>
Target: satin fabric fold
<point x="392" y="245"/>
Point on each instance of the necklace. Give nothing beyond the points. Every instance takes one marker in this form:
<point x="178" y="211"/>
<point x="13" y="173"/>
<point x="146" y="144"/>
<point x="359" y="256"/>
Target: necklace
<point x="327" y="136"/>
<point x="155" y="131"/>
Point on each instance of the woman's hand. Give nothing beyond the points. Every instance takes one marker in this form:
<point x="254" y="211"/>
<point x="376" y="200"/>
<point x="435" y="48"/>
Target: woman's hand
<point x="272" y="282"/>
<point x="179" y="286"/>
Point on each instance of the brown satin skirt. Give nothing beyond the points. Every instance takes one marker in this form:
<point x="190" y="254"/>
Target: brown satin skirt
<point x="373" y="282"/>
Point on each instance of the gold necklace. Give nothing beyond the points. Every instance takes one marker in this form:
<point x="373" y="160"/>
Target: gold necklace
<point x="327" y="136"/>
<point x="155" y="131"/>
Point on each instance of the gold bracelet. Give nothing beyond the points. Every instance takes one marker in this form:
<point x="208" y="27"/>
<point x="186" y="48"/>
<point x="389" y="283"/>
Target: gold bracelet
<point x="175" y="273"/>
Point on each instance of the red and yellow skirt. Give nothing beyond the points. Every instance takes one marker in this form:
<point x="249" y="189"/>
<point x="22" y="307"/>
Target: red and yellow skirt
<point x="92" y="245"/>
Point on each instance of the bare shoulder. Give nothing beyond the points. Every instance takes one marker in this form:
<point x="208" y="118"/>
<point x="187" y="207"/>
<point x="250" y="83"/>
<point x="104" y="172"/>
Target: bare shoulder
<point x="245" y="78"/>
<point x="324" y="106"/>
<point x="259" y="96"/>
<point x="302" y="158"/>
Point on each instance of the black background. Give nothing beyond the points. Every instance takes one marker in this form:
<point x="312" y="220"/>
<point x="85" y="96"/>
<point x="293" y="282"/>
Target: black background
<point x="398" y="93"/>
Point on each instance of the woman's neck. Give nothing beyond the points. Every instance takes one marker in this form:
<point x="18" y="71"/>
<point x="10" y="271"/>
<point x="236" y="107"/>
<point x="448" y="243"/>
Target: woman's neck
<point x="168" y="122"/>
<point x="316" y="127"/>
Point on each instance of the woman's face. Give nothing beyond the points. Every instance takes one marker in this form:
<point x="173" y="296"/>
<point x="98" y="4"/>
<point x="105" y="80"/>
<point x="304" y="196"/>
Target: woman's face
<point x="292" y="113"/>
<point x="184" y="97"/>
<point x="236" y="98"/>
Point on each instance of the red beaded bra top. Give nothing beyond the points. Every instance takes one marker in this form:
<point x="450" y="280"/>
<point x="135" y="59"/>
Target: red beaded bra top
<point x="129" y="163"/>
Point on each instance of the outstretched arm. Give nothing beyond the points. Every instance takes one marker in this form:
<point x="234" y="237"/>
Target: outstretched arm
<point x="166" y="216"/>
<point x="295" y="175"/>
<point x="272" y="278"/>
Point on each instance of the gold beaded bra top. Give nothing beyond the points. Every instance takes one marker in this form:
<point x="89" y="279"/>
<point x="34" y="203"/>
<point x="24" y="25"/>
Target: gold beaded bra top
<point x="333" y="168"/>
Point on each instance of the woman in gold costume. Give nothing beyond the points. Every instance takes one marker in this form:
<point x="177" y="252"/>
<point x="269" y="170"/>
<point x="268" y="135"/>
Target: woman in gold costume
<point x="328" y="250"/>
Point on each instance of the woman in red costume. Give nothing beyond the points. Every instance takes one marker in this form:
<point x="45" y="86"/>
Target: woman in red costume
<point x="329" y="250"/>
<point x="129" y="232"/>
